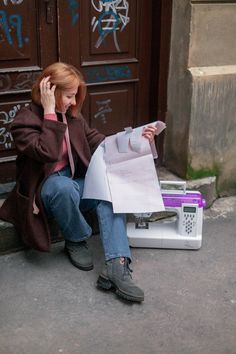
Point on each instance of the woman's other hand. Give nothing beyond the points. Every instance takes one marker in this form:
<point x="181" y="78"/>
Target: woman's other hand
<point x="47" y="95"/>
<point x="149" y="132"/>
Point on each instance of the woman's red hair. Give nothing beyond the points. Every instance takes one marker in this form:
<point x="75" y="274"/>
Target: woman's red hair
<point x="64" y="76"/>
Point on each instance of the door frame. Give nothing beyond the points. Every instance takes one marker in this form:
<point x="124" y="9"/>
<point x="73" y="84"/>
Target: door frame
<point x="161" y="33"/>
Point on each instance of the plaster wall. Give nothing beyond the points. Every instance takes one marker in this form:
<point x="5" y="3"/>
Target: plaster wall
<point x="213" y="33"/>
<point x="201" y="121"/>
<point x="212" y="131"/>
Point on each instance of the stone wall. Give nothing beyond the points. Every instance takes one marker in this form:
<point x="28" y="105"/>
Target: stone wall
<point x="201" y="122"/>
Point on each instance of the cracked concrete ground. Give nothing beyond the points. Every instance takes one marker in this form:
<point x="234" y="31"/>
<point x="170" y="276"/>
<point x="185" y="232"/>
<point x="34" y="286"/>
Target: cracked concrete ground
<point x="48" y="306"/>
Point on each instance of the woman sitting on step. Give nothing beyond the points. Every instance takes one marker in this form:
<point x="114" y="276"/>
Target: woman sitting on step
<point x="54" y="145"/>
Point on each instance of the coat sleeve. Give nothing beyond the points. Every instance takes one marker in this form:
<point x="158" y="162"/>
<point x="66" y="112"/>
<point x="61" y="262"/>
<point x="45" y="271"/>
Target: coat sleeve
<point x="37" y="138"/>
<point x="94" y="138"/>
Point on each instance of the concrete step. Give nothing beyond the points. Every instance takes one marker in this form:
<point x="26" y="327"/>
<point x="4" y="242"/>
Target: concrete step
<point x="10" y="241"/>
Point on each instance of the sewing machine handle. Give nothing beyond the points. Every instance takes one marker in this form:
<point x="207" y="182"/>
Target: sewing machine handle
<point x="174" y="187"/>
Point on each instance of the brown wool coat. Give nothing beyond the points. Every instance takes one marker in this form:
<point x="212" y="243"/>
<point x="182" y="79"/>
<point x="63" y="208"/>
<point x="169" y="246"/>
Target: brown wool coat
<point x="39" y="146"/>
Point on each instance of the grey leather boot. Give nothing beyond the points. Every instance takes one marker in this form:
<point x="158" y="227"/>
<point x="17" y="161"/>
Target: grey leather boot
<point x="79" y="254"/>
<point x="117" y="274"/>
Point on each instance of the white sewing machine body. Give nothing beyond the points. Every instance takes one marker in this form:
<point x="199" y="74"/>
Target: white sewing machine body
<point x="184" y="231"/>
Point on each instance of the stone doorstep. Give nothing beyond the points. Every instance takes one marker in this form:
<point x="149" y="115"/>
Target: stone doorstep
<point x="11" y="242"/>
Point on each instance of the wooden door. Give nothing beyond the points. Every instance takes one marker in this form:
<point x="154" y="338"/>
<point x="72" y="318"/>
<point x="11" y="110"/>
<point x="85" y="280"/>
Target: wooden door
<point x="110" y="41"/>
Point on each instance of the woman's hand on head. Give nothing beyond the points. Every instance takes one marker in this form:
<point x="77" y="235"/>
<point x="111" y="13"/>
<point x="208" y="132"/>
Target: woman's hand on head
<point x="149" y="132"/>
<point x="47" y="95"/>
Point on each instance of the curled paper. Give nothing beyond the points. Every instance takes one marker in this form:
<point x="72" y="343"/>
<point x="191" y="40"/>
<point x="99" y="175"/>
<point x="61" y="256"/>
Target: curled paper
<point x="122" y="171"/>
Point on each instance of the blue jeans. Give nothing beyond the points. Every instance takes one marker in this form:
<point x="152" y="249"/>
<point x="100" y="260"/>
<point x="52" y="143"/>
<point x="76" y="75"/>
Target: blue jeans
<point x="61" y="196"/>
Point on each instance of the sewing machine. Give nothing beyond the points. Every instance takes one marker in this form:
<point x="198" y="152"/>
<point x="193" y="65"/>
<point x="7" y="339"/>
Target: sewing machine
<point x="183" y="230"/>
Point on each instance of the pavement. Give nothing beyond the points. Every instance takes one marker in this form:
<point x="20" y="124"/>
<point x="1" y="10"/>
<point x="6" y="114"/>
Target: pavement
<point x="49" y="306"/>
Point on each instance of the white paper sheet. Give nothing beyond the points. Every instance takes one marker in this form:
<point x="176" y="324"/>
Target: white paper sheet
<point x="122" y="171"/>
<point x="96" y="182"/>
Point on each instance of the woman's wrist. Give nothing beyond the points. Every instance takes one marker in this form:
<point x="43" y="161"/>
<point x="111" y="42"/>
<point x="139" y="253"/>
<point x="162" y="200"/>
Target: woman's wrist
<point x="50" y="116"/>
<point x="49" y="110"/>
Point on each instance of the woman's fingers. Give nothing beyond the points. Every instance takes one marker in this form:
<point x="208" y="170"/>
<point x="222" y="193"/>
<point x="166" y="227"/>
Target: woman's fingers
<point x="53" y="88"/>
<point x="47" y="94"/>
<point x="45" y="85"/>
<point x="149" y="132"/>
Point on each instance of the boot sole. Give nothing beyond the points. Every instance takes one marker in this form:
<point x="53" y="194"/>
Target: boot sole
<point x="106" y="284"/>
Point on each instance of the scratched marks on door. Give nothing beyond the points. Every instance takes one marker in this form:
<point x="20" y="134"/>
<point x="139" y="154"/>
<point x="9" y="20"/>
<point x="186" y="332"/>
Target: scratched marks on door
<point x="112" y="17"/>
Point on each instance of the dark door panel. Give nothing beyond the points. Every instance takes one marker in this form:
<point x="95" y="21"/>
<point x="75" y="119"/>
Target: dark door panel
<point x="110" y="108"/>
<point x="19" y="34"/>
<point x="109" y="31"/>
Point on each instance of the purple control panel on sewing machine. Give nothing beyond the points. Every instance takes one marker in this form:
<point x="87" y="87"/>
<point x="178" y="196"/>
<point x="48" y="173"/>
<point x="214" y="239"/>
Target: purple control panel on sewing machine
<point x="176" y="200"/>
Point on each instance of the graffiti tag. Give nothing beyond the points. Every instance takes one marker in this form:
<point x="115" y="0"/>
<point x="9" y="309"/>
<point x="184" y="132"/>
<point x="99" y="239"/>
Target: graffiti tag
<point x="112" y="17"/>
<point x="6" y="118"/>
<point x="23" y="81"/>
<point x="107" y="73"/>
<point x="102" y="110"/>
<point x="12" y="25"/>
<point x="14" y="2"/>
<point x="73" y="7"/>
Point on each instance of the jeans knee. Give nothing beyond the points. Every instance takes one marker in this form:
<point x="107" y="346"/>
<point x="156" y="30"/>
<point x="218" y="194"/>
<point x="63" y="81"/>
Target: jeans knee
<point x="59" y="188"/>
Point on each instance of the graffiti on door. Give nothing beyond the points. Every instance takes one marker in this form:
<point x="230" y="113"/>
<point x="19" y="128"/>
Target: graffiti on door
<point x="103" y="108"/>
<point x="112" y="17"/>
<point x="73" y="8"/>
<point x="11" y="26"/>
<point x="6" y="117"/>
<point x="17" y="82"/>
<point x="14" y="2"/>
<point x="107" y="73"/>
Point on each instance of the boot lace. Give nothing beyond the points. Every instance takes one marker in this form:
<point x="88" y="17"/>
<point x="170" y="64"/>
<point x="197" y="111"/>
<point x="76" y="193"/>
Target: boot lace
<point x="127" y="269"/>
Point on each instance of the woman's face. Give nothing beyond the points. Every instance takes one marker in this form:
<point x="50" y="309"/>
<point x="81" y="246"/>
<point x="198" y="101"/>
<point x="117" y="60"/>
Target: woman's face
<point x="68" y="98"/>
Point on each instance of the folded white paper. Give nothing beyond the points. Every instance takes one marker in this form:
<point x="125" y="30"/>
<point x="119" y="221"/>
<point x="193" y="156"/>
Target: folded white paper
<point x="122" y="171"/>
